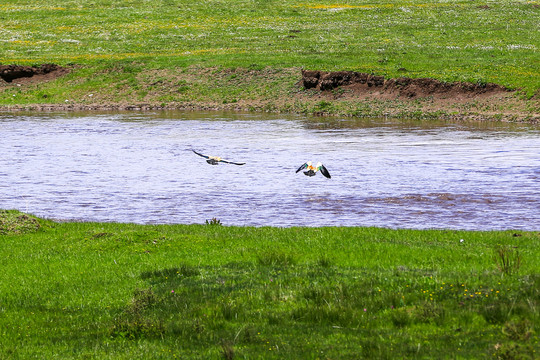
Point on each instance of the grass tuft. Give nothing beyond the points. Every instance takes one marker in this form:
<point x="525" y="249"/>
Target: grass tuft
<point x="275" y="258"/>
<point x="508" y="259"/>
<point x="134" y="322"/>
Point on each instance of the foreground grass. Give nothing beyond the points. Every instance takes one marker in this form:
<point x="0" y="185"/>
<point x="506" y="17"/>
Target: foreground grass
<point x="132" y="51"/>
<point x="123" y="291"/>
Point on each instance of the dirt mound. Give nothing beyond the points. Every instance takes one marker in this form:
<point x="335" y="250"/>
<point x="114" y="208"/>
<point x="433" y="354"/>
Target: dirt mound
<point x="14" y="222"/>
<point x="397" y="87"/>
<point x="19" y="73"/>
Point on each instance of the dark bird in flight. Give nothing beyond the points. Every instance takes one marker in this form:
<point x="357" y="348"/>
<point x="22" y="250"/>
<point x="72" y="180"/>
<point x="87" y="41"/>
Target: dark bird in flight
<point x="214" y="160"/>
<point x="312" y="170"/>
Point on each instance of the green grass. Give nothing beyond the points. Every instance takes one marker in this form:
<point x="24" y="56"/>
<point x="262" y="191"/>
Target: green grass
<point x="124" y="291"/>
<point x="112" y="42"/>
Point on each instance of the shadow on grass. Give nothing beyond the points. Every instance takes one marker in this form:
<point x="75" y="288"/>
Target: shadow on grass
<point x="239" y="308"/>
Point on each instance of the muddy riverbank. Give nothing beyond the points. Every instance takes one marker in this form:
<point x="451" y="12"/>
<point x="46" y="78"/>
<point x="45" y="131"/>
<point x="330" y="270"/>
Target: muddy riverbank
<point x="50" y="87"/>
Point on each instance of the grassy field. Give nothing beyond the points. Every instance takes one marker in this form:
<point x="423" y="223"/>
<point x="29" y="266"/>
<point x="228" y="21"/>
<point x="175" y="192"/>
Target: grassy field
<point x="169" y="51"/>
<point x="124" y="291"/>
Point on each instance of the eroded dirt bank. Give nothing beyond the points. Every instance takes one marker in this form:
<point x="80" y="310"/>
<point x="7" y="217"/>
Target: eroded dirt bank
<point x="402" y="87"/>
<point x="25" y="74"/>
<point x="291" y="90"/>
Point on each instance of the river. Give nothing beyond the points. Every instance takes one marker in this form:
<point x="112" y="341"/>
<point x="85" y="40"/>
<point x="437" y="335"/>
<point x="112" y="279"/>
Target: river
<point x="140" y="168"/>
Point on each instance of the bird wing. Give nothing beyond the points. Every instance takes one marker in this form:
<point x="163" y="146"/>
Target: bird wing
<point x="305" y="165"/>
<point x="324" y="171"/>
<point x="204" y="156"/>
<point x="230" y="162"/>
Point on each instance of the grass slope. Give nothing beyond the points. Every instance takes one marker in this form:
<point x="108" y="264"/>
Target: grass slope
<point x="121" y="47"/>
<point x="124" y="291"/>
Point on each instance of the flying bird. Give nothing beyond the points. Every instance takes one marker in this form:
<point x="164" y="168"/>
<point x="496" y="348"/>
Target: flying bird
<point x="312" y="170"/>
<point x="214" y="160"/>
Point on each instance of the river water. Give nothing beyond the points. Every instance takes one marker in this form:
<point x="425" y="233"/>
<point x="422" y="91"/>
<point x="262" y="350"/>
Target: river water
<point x="139" y="167"/>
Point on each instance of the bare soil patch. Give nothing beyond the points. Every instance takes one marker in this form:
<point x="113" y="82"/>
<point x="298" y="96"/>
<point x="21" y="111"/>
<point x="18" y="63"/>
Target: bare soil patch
<point x="403" y="87"/>
<point x="28" y="74"/>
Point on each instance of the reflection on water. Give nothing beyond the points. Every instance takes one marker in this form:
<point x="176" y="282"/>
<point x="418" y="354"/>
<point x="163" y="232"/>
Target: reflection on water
<point x="138" y="167"/>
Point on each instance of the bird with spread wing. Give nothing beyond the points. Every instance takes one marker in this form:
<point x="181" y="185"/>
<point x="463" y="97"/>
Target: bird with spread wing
<point x="312" y="170"/>
<point x="214" y="160"/>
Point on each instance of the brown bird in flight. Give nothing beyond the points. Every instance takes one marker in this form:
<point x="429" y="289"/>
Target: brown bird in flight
<point x="214" y="160"/>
